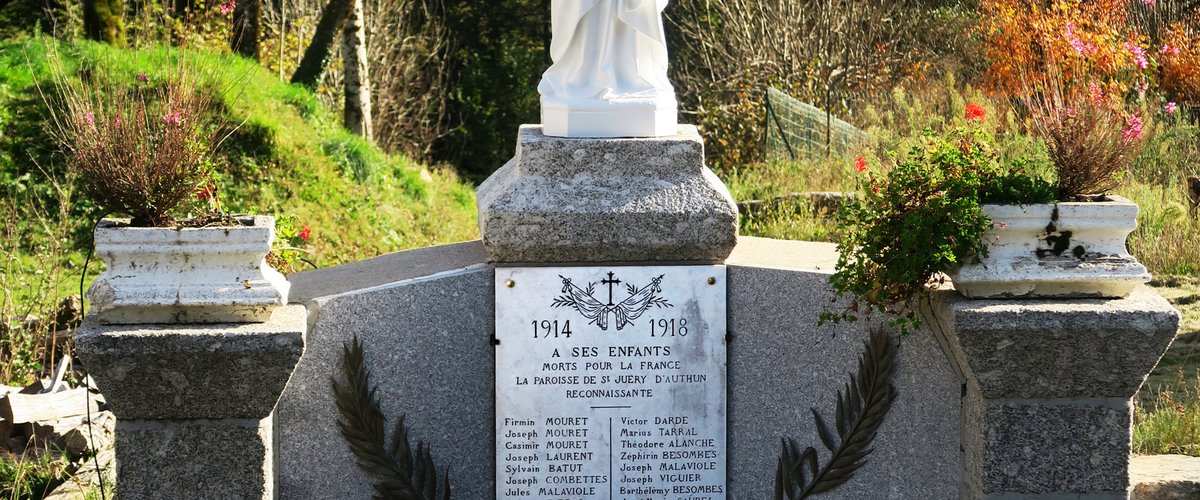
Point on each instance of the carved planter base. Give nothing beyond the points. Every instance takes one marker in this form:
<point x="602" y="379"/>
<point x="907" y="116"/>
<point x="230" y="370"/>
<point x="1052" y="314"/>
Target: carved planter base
<point x="186" y="275"/>
<point x="1065" y="250"/>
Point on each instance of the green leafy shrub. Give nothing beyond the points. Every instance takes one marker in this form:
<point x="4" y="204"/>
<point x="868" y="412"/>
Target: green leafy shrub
<point x="290" y="244"/>
<point x="920" y="218"/>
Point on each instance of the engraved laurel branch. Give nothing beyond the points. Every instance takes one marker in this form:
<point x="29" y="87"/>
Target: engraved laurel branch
<point x="598" y="313"/>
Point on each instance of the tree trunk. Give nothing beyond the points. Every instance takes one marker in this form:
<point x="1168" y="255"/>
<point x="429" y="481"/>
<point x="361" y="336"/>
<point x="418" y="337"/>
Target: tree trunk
<point x="182" y="7"/>
<point x="246" y="17"/>
<point x="356" y="78"/>
<point x="102" y="21"/>
<point x="319" y="50"/>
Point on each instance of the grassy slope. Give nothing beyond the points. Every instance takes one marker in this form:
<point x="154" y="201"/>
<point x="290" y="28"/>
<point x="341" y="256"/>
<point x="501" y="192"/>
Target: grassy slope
<point x="288" y="156"/>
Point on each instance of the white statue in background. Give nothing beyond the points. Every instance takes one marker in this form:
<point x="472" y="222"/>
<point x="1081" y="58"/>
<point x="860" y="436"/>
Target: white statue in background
<point x="609" y="77"/>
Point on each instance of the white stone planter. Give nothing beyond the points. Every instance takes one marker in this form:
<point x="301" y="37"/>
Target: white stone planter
<point x="1065" y="250"/>
<point x="186" y="275"/>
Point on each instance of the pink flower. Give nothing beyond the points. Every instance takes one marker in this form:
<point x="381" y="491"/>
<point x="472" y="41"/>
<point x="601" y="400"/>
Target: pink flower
<point x="173" y="118"/>
<point x="227" y="7"/>
<point x="1096" y="92"/>
<point x="1169" y="50"/>
<point x="1139" y="55"/>
<point x="1084" y="49"/>
<point x="860" y="164"/>
<point x="90" y="118"/>
<point x="999" y="225"/>
<point x="1143" y="87"/>
<point x="1148" y="3"/>
<point x="1133" y="128"/>
<point x="141" y="77"/>
<point x="1171" y="108"/>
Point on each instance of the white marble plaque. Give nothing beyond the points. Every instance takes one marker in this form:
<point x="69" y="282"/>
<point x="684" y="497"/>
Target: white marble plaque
<point x="610" y="382"/>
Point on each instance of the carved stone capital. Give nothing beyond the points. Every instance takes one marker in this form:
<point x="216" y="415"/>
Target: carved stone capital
<point x="607" y="200"/>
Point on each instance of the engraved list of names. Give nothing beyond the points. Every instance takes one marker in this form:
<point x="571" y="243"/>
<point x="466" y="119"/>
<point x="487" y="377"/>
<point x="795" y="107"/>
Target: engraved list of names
<point x="610" y="383"/>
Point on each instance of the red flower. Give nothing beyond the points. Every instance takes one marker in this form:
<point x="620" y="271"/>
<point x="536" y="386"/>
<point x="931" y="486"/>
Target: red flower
<point x="975" y="112"/>
<point x="860" y="164"/>
<point x="305" y="233"/>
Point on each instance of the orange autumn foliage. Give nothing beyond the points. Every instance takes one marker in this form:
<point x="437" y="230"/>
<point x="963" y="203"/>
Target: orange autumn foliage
<point x="1180" y="71"/>
<point x="1079" y="41"/>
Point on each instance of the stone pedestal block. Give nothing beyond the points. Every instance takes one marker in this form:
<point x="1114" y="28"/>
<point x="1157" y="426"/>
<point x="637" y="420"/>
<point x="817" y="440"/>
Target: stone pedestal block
<point x="607" y="200"/>
<point x="163" y="371"/>
<point x="194" y="402"/>
<point x="1057" y="446"/>
<point x="195" y="459"/>
<point x="1047" y="404"/>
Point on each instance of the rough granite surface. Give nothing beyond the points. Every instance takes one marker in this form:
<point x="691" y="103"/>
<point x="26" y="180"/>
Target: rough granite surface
<point x="153" y="459"/>
<point x="428" y="346"/>
<point x="1042" y="447"/>
<point x="781" y="364"/>
<point x="213" y="371"/>
<point x="972" y="436"/>
<point x="1165" y="477"/>
<point x="1046" y="349"/>
<point x="607" y="200"/>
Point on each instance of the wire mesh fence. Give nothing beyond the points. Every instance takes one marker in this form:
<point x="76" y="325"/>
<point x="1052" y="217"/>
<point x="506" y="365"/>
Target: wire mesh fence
<point x="798" y="130"/>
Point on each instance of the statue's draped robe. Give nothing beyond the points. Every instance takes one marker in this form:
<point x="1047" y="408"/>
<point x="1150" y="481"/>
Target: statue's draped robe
<point x="607" y="49"/>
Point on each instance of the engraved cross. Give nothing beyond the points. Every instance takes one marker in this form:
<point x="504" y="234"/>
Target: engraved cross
<point x="610" y="282"/>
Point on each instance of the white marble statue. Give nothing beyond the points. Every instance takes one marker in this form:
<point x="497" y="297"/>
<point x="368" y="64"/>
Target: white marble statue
<point x="609" y="77"/>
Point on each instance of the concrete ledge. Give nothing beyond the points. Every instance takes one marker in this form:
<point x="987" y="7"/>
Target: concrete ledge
<point x="784" y="255"/>
<point x="385" y="269"/>
<point x="194" y="371"/>
<point x="1165" y="477"/>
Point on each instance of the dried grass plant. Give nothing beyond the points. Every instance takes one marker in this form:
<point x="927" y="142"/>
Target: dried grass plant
<point x="410" y="70"/>
<point x="1091" y="137"/>
<point x="138" y="147"/>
